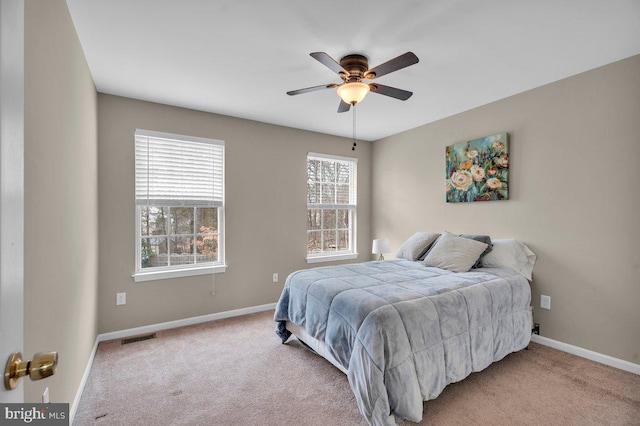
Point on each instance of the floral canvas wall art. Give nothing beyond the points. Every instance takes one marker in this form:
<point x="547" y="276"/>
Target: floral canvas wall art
<point x="478" y="170"/>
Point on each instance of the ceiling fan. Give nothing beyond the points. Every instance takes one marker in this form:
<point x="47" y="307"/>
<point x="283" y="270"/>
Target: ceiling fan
<point x="353" y="70"/>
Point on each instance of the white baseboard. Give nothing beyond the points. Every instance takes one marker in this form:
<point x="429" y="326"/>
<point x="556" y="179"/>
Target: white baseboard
<point x="150" y="329"/>
<point x="588" y="354"/>
<point x="83" y="382"/>
<point x="183" y="322"/>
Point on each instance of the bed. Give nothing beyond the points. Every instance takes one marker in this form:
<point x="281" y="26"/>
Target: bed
<point x="402" y="330"/>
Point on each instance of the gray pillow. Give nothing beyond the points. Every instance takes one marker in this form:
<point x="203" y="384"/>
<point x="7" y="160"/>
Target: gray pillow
<point x="454" y="253"/>
<point x="416" y="245"/>
<point x="483" y="239"/>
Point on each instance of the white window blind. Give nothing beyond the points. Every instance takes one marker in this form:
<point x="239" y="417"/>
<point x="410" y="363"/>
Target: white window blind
<point x="176" y="170"/>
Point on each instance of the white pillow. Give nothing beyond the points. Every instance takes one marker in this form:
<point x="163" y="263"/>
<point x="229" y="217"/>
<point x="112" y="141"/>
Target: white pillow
<point x="416" y="245"/>
<point x="512" y="254"/>
<point x="454" y="253"/>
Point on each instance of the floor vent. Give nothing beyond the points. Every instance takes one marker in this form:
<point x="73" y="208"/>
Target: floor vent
<point x="138" y="338"/>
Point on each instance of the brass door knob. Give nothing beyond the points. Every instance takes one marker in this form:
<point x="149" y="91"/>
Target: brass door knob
<point x="41" y="366"/>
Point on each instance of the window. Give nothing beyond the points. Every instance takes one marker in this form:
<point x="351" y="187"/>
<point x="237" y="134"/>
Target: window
<point x="179" y="205"/>
<point x="331" y="207"/>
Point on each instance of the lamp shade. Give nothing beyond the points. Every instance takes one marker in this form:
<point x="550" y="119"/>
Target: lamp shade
<point x="352" y="93"/>
<point x="380" y="246"/>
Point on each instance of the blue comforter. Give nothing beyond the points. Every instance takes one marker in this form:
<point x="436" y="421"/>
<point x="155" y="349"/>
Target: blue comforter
<point x="403" y="330"/>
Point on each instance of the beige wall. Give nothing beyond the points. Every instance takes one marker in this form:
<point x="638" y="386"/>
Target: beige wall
<point x="265" y="211"/>
<point x="61" y="205"/>
<point x="574" y="149"/>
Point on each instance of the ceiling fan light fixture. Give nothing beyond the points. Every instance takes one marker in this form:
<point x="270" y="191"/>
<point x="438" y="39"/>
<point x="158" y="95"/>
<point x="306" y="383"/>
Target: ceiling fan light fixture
<point x="354" y="92"/>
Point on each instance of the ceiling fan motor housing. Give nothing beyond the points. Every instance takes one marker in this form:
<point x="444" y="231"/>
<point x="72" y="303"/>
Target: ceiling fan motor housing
<point x="356" y="65"/>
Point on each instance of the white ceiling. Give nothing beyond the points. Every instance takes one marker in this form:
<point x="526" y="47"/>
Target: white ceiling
<point x="240" y="57"/>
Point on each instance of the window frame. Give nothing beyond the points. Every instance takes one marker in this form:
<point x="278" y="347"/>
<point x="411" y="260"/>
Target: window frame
<point x="183" y="270"/>
<point x="351" y="206"/>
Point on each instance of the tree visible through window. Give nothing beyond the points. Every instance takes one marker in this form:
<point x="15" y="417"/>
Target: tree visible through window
<point x="331" y="205"/>
<point x="172" y="236"/>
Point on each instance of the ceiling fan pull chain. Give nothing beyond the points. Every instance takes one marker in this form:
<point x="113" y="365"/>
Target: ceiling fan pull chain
<point x="353" y="148"/>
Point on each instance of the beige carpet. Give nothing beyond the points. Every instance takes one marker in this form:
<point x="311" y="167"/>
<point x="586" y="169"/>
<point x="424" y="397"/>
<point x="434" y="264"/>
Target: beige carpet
<point x="236" y="372"/>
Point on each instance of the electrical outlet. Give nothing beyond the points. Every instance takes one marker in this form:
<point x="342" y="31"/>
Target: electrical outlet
<point x="275" y="277"/>
<point x="536" y="328"/>
<point x="121" y="298"/>
<point x="545" y="302"/>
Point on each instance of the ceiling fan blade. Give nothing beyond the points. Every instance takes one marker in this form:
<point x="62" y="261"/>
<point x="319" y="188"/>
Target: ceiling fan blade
<point x="328" y="62"/>
<point x="392" y="65"/>
<point x="393" y="92"/>
<point x="343" y="107"/>
<point x="311" y="89"/>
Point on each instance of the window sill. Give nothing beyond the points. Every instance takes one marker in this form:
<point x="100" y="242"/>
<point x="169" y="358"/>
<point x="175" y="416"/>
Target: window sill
<point x="332" y="257"/>
<point x="178" y="273"/>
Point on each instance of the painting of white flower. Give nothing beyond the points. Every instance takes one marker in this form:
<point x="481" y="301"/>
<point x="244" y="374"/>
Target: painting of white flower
<point x="478" y="170"/>
<point x="477" y="173"/>
<point x="461" y="180"/>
